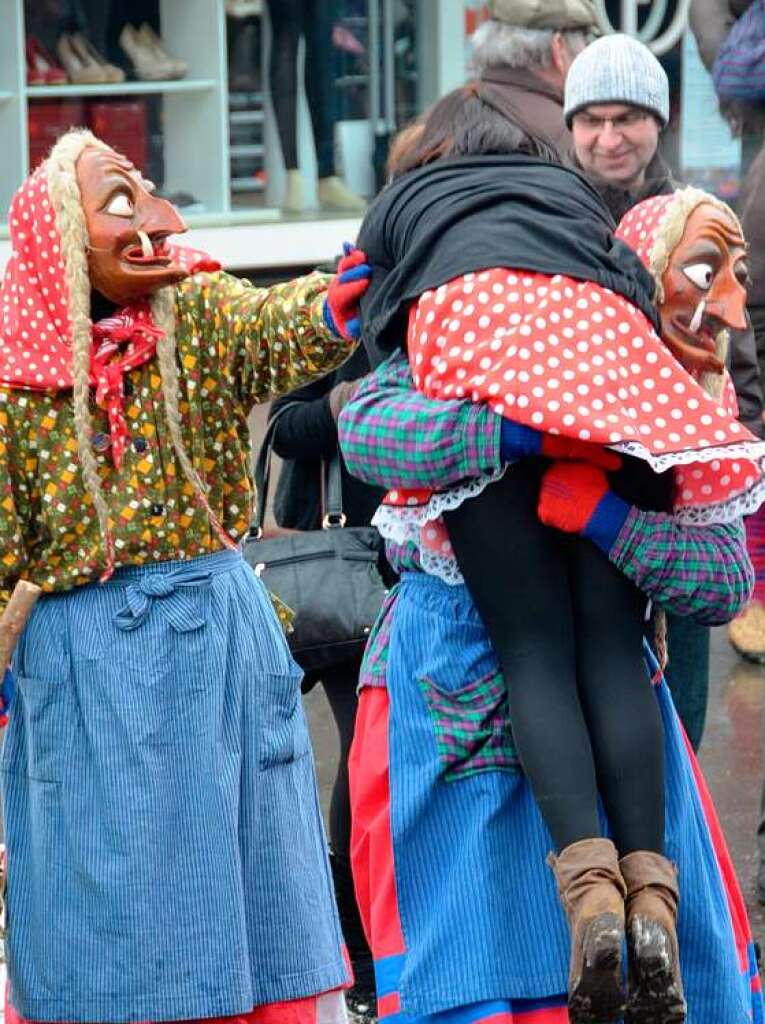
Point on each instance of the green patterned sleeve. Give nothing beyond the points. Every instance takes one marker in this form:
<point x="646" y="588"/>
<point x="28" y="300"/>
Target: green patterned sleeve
<point x="271" y="340"/>
<point x="12" y="534"/>
<point x="702" y="572"/>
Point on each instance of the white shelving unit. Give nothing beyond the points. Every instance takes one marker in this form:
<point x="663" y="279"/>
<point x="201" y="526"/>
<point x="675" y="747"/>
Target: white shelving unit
<point x="194" y="109"/>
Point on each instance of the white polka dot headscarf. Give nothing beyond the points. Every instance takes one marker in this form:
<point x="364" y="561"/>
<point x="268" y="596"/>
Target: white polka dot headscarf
<point x="35" y="326"/>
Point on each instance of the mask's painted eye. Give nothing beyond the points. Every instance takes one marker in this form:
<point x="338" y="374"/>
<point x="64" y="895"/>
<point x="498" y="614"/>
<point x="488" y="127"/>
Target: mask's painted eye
<point x="120" y="205"/>
<point x="702" y="275"/>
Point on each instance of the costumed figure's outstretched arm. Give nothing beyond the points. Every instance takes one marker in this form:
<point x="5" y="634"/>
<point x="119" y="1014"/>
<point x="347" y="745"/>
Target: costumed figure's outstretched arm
<point x="275" y="339"/>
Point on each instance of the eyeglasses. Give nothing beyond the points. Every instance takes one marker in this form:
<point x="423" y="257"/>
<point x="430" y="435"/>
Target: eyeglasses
<point x="621" y="123"/>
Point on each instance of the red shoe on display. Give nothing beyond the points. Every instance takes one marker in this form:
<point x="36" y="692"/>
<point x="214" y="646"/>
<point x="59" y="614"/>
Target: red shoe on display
<point x="42" y="67"/>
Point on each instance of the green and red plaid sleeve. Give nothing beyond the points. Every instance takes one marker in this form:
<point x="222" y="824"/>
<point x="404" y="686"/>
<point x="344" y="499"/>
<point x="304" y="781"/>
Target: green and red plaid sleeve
<point x="392" y="436"/>
<point x="703" y="572"/>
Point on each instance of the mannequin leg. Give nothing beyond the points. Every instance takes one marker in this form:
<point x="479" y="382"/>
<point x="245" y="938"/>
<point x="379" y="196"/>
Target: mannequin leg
<point x="287" y="23"/>
<point x="319" y="19"/>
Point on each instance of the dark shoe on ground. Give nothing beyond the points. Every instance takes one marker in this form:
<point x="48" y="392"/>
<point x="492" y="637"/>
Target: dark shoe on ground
<point x="592" y="893"/>
<point x="362" y="1005"/>
<point x="655" y="987"/>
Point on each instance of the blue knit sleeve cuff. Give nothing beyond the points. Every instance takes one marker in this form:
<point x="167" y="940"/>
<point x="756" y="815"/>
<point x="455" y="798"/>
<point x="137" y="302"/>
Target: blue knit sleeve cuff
<point x="607" y="521"/>
<point x="517" y="441"/>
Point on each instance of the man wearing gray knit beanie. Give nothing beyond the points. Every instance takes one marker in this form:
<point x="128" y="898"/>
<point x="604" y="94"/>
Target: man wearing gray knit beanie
<point x="616" y="102"/>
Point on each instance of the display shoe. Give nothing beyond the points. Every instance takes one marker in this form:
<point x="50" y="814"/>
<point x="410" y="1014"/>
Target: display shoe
<point x="244" y="8"/>
<point x="147" y="66"/>
<point x="42" y="68"/>
<point x="154" y="43"/>
<point x="86" y="51"/>
<point x="655" y="988"/>
<point x="81" y="68"/>
<point x="293" y="193"/>
<point x="592" y="893"/>
<point x="335" y="195"/>
<point x="747" y="633"/>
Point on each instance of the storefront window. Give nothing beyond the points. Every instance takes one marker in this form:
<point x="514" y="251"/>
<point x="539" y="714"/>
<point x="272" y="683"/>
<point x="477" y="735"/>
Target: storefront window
<point x="315" y="91"/>
<point x="216" y="101"/>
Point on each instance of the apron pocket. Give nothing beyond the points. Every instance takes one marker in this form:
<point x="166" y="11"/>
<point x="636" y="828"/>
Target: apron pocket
<point x="283" y="730"/>
<point x="472" y="726"/>
<point x="39" y="733"/>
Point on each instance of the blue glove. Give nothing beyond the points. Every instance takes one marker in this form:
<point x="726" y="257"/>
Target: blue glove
<point x="518" y="441"/>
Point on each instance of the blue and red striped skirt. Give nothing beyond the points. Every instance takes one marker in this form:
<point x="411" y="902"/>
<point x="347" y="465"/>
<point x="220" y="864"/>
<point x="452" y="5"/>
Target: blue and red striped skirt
<point x="449" y="847"/>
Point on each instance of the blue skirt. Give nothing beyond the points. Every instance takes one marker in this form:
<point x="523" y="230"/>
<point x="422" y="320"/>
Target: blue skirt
<point x="166" y="856"/>
<point x="473" y="928"/>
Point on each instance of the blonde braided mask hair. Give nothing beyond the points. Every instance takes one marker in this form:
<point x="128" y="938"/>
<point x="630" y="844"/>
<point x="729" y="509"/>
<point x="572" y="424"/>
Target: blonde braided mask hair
<point x="669" y="236"/>
<point x="70" y="220"/>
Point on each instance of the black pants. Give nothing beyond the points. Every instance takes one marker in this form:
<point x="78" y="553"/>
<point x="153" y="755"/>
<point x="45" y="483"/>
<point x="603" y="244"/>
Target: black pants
<point x="567" y="628"/>
<point x="312" y="19"/>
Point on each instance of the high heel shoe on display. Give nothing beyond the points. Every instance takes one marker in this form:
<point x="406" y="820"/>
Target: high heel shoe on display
<point x="81" y="68"/>
<point x="154" y="43"/>
<point x="334" y="194"/>
<point x="87" y="52"/>
<point x="147" y="65"/>
<point x="293" y="193"/>
<point x="42" y="68"/>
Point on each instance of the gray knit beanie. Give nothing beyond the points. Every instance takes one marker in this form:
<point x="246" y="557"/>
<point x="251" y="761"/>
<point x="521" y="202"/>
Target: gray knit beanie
<point x="617" y="69"/>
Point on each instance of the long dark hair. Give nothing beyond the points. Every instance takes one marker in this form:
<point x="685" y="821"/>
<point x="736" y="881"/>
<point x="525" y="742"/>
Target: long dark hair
<point x="474" y="120"/>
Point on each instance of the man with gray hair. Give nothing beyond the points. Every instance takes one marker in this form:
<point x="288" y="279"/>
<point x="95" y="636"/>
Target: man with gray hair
<point x="526" y="49"/>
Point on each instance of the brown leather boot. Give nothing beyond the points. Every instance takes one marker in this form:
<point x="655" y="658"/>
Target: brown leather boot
<point x="592" y="892"/>
<point x="655" y="986"/>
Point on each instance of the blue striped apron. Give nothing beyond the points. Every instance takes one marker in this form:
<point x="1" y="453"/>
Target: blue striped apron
<point x="166" y="856"/>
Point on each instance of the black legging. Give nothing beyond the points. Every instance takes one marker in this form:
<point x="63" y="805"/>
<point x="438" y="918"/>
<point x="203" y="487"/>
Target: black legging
<point x="567" y="628"/>
<point x="313" y="19"/>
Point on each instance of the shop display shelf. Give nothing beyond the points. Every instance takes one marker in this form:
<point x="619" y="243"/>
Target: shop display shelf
<point x="242" y="117"/>
<point x="248" y="184"/>
<point x="182" y="85"/>
<point x="246" y="150"/>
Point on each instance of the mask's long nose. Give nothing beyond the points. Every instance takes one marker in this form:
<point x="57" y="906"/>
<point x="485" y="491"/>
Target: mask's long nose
<point x="727" y="301"/>
<point x="159" y="215"/>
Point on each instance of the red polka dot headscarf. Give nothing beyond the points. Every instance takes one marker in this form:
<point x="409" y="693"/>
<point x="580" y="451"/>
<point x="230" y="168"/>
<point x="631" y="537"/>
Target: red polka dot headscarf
<point x="654" y="227"/>
<point x="35" y="329"/>
<point x="35" y="304"/>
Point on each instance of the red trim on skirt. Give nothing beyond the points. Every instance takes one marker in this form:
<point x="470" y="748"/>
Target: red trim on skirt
<point x="297" y="1011"/>
<point x="374" y="874"/>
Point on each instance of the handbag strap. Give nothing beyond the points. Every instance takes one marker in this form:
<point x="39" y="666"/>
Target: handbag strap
<point x="332" y="513"/>
<point x="332" y="501"/>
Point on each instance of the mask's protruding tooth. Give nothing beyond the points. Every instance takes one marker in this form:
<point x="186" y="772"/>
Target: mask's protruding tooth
<point x="695" y="323"/>
<point x="146" y="245"/>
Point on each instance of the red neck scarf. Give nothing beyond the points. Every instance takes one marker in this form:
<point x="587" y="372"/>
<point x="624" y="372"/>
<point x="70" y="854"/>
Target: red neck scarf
<point x="134" y="329"/>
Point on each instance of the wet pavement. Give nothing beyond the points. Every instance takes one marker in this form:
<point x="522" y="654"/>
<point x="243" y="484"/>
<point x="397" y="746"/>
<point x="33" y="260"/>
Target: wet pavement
<point x="731" y="757"/>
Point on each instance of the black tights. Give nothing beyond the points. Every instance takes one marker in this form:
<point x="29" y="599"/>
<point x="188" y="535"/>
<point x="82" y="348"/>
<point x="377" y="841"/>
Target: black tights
<point x="312" y="19"/>
<point x="567" y="628"/>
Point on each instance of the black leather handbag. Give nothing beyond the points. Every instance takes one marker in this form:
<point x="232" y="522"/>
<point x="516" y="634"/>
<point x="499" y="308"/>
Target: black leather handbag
<point x="328" y="577"/>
